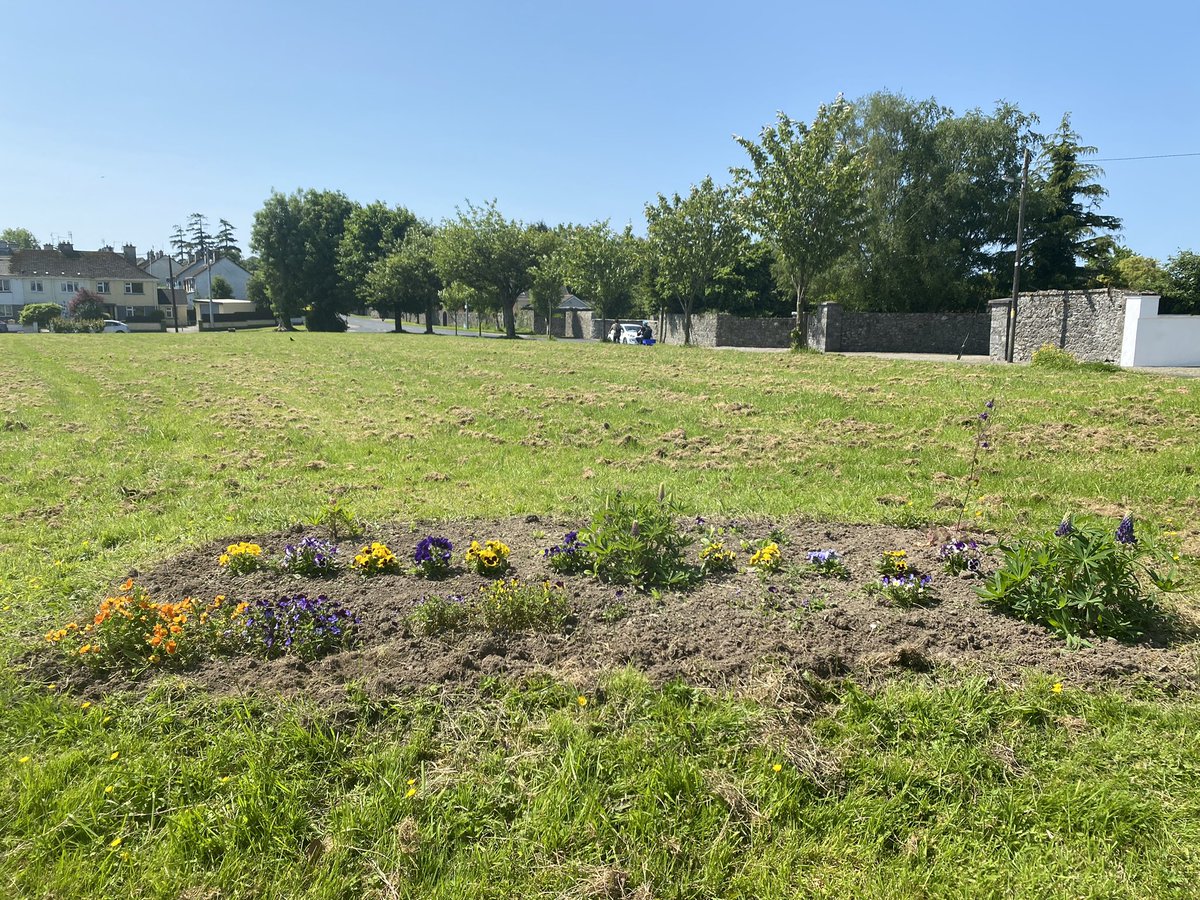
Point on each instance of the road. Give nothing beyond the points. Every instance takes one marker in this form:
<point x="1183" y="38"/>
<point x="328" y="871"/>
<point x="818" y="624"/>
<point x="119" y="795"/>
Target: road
<point x="372" y="325"/>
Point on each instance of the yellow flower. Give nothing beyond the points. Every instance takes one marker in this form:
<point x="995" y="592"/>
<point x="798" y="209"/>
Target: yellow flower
<point x="51" y="687"/>
<point x="777" y="768"/>
<point x="112" y="757"/>
<point x="1057" y="687"/>
<point x="108" y="789"/>
<point x="114" y="843"/>
<point x="23" y="760"/>
<point x="106" y="720"/>
<point x="581" y="700"/>
<point x="411" y="792"/>
<point x="224" y="779"/>
<point x="85" y="704"/>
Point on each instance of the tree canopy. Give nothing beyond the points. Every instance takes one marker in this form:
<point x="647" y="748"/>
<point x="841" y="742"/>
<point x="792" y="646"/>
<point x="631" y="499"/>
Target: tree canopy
<point x="406" y="280"/>
<point x="20" y="238"/>
<point x="297" y="237"/>
<point x="372" y="232"/>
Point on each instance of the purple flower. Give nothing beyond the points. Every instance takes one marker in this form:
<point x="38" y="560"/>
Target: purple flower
<point x="1125" y="531"/>
<point x="434" y="551"/>
<point x="990" y="404"/>
<point x="1064" y="528"/>
<point x="983" y="416"/>
<point x="312" y="556"/>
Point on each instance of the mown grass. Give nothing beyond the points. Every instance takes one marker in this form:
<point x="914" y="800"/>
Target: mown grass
<point x="116" y="453"/>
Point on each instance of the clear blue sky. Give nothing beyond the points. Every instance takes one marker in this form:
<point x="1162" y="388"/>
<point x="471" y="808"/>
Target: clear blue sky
<point x="121" y="118"/>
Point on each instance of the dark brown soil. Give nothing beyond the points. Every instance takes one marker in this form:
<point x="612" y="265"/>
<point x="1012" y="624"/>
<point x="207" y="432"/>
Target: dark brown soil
<point x="727" y="632"/>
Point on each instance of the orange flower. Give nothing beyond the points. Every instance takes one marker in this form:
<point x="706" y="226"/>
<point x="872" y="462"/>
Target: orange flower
<point x="127" y="585"/>
<point x="171" y="646"/>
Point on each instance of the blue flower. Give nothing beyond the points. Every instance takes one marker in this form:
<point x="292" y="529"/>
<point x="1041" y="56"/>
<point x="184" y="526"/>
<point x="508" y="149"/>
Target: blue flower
<point x="1125" y="531"/>
<point x="1064" y="528"/>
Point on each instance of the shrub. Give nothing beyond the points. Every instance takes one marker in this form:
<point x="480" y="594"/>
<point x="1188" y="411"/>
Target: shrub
<point x="489" y="559"/>
<point x="40" y="314"/>
<point x="569" y="557"/>
<point x="86" y="305"/>
<point x="241" y="558"/>
<point x="299" y="625"/>
<point x="340" y="521"/>
<point x="638" y="543"/>
<point x="1080" y="581"/>
<point x="432" y="556"/>
<point x="312" y="557"/>
<point x="1048" y="356"/>
<point x="376" y="559"/>
<point x="77" y="326"/>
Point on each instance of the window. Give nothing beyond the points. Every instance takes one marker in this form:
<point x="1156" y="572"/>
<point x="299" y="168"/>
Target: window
<point x="5" y="286"/>
<point x="35" y="287"/>
<point x="102" y="287"/>
<point x="135" y="287"/>
<point x="130" y="312"/>
<point x="68" y="287"/>
<point x="189" y="284"/>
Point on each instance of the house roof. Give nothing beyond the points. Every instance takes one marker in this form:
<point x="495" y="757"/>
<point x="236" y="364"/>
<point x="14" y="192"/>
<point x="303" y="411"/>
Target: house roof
<point x="570" y="301"/>
<point x="76" y="263"/>
<point x="200" y="265"/>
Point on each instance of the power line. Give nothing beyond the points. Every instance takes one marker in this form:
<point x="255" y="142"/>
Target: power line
<point x="1158" y="156"/>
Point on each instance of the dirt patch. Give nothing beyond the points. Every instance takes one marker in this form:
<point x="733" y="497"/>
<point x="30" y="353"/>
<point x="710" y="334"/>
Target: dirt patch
<point x="726" y="633"/>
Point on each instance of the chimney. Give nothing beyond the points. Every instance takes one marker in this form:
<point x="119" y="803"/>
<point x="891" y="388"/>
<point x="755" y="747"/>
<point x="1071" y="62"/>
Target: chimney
<point x="65" y="247"/>
<point x="130" y="252"/>
<point x="47" y="246"/>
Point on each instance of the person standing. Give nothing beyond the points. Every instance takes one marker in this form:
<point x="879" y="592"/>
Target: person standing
<point x="614" y="333"/>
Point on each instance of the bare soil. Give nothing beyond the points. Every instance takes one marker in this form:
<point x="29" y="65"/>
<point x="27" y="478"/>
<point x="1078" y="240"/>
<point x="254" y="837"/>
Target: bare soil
<point x="727" y="632"/>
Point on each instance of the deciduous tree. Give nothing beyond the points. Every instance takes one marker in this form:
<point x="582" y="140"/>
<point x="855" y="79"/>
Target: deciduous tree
<point x="372" y="232"/>
<point x="406" y="280"/>
<point x="19" y="238"/>
<point x="86" y="305"/>
<point x="601" y="267"/>
<point x="39" y="314"/>
<point x="696" y="241"/>
<point x="221" y="288"/>
<point x="802" y="192"/>
<point x="297" y="237"/>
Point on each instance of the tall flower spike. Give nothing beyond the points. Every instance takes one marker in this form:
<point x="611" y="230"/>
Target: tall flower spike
<point x="1125" y="531"/>
<point x="1064" y="528"/>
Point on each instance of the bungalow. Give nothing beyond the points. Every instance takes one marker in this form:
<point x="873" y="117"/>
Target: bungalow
<point x="56" y="274"/>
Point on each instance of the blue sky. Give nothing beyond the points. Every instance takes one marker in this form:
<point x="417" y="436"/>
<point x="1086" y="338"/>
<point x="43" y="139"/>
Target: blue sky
<point x="121" y="118"/>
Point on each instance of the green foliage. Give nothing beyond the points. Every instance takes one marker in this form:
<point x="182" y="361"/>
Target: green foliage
<point x="86" y="305"/>
<point x="491" y="255"/>
<point x="297" y="237"/>
<point x="19" y="238"/>
<point x="802" y="191"/>
<point x="338" y="520"/>
<point x="257" y="293"/>
<point x="1062" y="224"/>
<point x="696" y="241"/>
<point x="406" y="280"/>
<point x="1183" y="282"/>
<point x="1080" y="581"/>
<point x="221" y="288"/>
<point x="226" y="244"/>
<point x="40" y="314"/>
<point x="717" y="559"/>
<point x="600" y="266"/>
<point x="76" y="326"/>
<point x="638" y="542"/>
<point x="1048" y="356"/>
<point x="503" y="605"/>
<point x="372" y="233"/>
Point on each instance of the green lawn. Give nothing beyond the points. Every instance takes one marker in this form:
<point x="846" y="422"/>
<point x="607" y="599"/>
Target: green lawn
<point x="116" y="453"/>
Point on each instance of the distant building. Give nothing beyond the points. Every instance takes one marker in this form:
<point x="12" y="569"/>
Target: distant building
<point x="195" y="279"/>
<point x="56" y="274"/>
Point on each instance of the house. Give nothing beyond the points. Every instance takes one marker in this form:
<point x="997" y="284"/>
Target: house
<point x="55" y="274"/>
<point x="575" y="313"/>
<point x="162" y="267"/>
<point x="195" y="279"/>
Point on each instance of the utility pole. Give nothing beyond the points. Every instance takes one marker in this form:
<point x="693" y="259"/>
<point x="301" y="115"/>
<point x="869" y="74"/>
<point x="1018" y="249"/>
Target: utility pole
<point x="212" y="320"/>
<point x="171" y="278"/>
<point x="1011" y="333"/>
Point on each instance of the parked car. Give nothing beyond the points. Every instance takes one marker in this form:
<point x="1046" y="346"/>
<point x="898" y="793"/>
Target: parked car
<point x="112" y="326"/>
<point x="631" y="333"/>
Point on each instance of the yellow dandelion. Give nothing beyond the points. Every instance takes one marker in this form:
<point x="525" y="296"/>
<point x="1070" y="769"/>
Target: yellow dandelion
<point x="1057" y="687"/>
<point x="411" y="782"/>
<point x="114" y="843"/>
<point x="24" y="759"/>
<point x="51" y="687"/>
<point x="581" y="700"/>
<point x="106" y="720"/>
<point x="108" y="789"/>
<point x="224" y="779"/>
<point x="777" y="767"/>
<point x="411" y="792"/>
<point x="113" y="756"/>
<point x="86" y="704"/>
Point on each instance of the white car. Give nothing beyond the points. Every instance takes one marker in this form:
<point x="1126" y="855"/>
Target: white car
<point x="630" y="333"/>
<point x="112" y="326"/>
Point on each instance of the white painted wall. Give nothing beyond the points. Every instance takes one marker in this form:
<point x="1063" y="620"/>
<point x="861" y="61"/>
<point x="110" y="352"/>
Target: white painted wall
<point x="1154" y="340"/>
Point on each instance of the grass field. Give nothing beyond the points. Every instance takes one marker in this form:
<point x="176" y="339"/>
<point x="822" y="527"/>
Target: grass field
<point x="116" y="453"/>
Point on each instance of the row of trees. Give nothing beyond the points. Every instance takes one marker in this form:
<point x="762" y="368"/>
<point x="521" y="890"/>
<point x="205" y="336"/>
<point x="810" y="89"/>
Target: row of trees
<point x="197" y="242"/>
<point x="882" y="203"/>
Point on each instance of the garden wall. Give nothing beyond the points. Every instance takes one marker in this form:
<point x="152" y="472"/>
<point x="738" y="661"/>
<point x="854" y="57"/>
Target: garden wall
<point x="720" y="330"/>
<point x="1152" y="340"/>
<point x="834" y="329"/>
<point x="1087" y="324"/>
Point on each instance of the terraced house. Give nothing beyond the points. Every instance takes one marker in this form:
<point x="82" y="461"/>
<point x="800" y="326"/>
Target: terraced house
<point x="55" y="274"/>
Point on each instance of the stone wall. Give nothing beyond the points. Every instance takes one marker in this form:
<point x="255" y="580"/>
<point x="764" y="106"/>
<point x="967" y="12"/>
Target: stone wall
<point x="1087" y="324"/>
<point x="576" y="323"/>
<point x="834" y="329"/>
<point x="720" y="330"/>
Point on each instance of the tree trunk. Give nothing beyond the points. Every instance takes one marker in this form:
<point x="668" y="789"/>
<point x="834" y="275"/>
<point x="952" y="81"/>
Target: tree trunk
<point x="430" y="312"/>
<point x="687" y="321"/>
<point x="510" y="320"/>
<point x="801" y="314"/>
